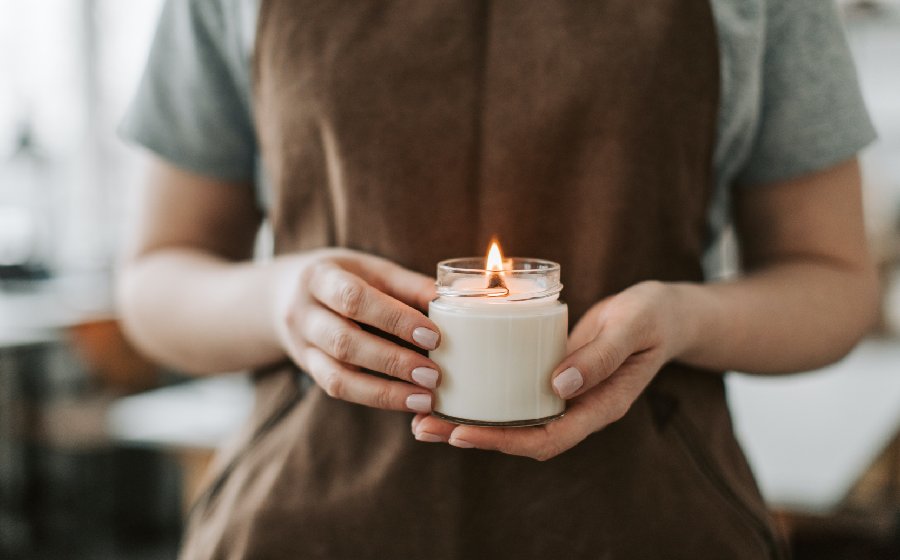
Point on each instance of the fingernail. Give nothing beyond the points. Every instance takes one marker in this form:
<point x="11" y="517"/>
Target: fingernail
<point x="415" y="423"/>
<point x="430" y="438"/>
<point x="456" y="442"/>
<point x="426" y="377"/>
<point x="426" y="338"/>
<point x="419" y="403"/>
<point x="567" y="382"/>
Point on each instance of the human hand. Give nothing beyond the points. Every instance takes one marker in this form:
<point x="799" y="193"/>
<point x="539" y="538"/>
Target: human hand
<point x="614" y="352"/>
<point x="322" y="299"/>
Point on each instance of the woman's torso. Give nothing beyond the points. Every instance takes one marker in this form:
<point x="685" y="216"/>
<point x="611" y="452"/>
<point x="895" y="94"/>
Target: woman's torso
<point x="582" y="133"/>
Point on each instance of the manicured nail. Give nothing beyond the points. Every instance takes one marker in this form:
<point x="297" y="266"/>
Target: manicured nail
<point x="567" y="382"/>
<point x="426" y="377"/>
<point x="426" y="338"/>
<point x="456" y="442"/>
<point x="419" y="403"/>
<point x="430" y="438"/>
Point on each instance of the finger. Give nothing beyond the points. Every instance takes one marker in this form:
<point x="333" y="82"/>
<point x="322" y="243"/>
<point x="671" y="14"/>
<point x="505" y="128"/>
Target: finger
<point x="346" y="342"/>
<point x="350" y="296"/>
<point x="586" y="414"/>
<point x="594" y="362"/>
<point x="586" y="329"/>
<point x="433" y="429"/>
<point x="406" y="285"/>
<point x="415" y="422"/>
<point x="540" y="442"/>
<point x="342" y="382"/>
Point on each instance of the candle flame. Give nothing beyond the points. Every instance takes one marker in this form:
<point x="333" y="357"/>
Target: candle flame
<point x="494" y="272"/>
<point x="495" y="258"/>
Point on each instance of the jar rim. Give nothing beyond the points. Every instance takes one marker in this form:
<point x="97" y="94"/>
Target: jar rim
<point x="544" y="273"/>
<point x="545" y="266"/>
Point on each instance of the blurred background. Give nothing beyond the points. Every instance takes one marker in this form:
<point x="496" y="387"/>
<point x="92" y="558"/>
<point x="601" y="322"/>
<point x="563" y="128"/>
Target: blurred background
<point x="102" y="451"/>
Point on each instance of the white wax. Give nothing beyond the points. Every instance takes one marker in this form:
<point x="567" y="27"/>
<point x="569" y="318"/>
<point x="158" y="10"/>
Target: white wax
<point x="496" y="358"/>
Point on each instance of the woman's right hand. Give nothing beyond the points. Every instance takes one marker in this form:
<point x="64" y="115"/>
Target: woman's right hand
<point x="322" y="299"/>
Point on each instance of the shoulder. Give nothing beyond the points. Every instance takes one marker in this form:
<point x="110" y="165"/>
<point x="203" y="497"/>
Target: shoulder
<point x="812" y="112"/>
<point x="816" y="22"/>
<point x="227" y="26"/>
<point x="192" y="107"/>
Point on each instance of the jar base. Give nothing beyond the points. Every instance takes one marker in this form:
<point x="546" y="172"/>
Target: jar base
<point x="509" y="424"/>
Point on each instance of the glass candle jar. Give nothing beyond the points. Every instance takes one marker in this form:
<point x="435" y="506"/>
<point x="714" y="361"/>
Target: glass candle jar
<point x="502" y="334"/>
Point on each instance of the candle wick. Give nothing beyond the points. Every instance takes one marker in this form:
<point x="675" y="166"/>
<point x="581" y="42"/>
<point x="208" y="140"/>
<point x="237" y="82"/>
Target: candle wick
<point x="496" y="281"/>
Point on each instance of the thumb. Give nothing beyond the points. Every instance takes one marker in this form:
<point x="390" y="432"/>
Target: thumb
<point x="592" y="363"/>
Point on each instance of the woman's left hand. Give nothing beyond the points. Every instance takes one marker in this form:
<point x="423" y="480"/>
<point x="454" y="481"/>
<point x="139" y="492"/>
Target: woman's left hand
<point x="614" y="352"/>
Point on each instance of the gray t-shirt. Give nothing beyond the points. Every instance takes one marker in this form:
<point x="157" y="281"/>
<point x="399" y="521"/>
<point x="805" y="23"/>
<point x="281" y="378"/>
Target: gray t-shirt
<point x="789" y="105"/>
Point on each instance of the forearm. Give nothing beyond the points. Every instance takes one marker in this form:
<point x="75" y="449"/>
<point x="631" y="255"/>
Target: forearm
<point x="786" y="317"/>
<point x="199" y="313"/>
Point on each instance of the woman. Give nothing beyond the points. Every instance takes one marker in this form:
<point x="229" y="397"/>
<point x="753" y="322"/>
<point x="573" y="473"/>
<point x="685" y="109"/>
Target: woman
<point x="614" y="140"/>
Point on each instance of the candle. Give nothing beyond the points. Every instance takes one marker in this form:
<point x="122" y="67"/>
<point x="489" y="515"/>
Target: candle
<point x="503" y="330"/>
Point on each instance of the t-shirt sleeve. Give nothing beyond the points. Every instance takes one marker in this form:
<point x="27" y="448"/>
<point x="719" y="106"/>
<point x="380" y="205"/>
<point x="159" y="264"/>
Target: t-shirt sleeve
<point x="812" y="111"/>
<point x="192" y="105"/>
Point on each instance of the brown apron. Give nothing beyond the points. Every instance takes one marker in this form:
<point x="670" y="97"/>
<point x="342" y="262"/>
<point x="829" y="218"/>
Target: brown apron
<point x="575" y="131"/>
